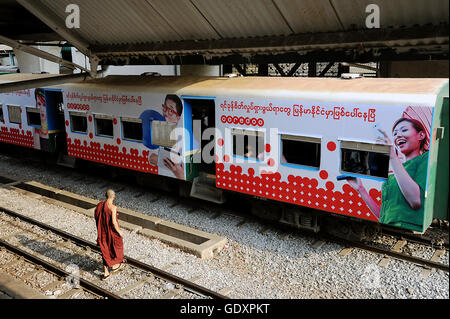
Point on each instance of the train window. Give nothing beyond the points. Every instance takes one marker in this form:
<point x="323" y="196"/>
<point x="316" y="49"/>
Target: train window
<point x="33" y="116"/>
<point x="78" y="122"/>
<point x="300" y="150"/>
<point x="14" y="114"/>
<point x="132" y="129"/>
<point x="364" y="158"/>
<point x="161" y="131"/>
<point x="104" y="125"/>
<point x="248" y="144"/>
<point x="1" y="113"/>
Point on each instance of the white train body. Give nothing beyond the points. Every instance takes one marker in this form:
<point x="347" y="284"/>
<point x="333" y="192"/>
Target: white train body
<point x="328" y="117"/>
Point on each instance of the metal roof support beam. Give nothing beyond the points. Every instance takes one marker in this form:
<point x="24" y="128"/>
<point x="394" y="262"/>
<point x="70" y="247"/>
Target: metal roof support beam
<point x="39" y="53"/>
<point x="291" y="72"/>
<point x="370" y="55"/>
<point x="294" y="69"/>
<point x="45" y="81"/>
<point x="312" y="69"/>
<point x="263" y="69"/>
<point x="241" y="70"/>
<point x="49" y="18"/>
<point x="357" y="40"/>
<point x="279" y="69"/>
<point x="324" y="71"/>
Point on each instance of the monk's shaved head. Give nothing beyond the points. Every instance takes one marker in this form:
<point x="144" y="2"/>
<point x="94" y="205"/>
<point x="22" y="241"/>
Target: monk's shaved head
<point x="110" y="193"/>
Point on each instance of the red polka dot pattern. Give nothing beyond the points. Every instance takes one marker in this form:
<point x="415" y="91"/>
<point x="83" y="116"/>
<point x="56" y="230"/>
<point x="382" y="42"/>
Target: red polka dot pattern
<point x="242" y="120"/>
<point x="331" y="146"/>
<point x="296" y="190"/>
<point x="111" y="155"/>
<point x="323" y="174"/>
<point x="17" y="136"/>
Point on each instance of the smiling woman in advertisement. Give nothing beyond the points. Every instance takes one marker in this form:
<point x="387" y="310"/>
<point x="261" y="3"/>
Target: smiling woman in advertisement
<point x="403" y="194"/>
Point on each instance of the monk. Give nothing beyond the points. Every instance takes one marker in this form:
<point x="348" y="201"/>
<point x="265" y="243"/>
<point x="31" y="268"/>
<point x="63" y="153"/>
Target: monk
<point x="109" y="236"/>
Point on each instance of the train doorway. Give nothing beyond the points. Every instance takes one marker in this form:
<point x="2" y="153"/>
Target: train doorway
<point x="202" y="137"/>
<point x="52" y="133"/>
<point x="201" y="112"/>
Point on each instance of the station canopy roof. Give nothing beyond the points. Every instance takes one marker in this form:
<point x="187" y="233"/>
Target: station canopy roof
<point x="235" y="31"/>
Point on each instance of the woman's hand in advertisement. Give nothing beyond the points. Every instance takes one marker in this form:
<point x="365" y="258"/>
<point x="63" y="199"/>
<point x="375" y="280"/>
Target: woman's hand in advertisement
<point x="356" y="183"/>
<point x="177" y="169"/>
<point x="385" y="140"/>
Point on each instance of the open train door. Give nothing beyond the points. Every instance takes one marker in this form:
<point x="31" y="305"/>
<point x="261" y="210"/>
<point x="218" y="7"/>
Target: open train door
<point x="200" y="148"/>
<point x="53" y="134"/>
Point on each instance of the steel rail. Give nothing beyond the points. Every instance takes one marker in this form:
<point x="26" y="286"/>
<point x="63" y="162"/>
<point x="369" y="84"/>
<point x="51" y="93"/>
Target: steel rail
<point x="360" y="245"/>
<point x="189" y="286"/>
<point x="58" y="271"/>
<point x="387" y="252"/>
<point x="228" y="211"/>
<point x="414" y="238"/>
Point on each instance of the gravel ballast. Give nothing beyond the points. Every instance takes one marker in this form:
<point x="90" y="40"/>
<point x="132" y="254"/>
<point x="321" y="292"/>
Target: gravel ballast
<point x="251" y="265"/>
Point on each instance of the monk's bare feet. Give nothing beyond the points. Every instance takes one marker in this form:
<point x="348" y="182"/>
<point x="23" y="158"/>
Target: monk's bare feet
<point x="119" y="266"/>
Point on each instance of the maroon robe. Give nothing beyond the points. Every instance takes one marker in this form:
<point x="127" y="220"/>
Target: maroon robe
<point x="109" y="240"/>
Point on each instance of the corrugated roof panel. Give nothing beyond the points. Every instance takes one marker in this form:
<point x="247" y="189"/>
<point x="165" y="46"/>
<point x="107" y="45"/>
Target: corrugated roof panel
<point x="392" y="13"/>
<point x="115" y="21"/>
<point x="243" y="18"/>
<point x="185" y="18"/>
<point x="309" y="15"/>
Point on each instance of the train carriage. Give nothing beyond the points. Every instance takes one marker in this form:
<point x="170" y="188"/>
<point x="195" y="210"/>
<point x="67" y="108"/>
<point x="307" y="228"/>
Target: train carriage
<point x="32" y="117"/>
<point x="304" y="142"/>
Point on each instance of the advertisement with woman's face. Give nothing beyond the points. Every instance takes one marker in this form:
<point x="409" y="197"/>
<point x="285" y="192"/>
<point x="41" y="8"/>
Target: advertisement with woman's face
<point x="167" y="159"/>
<point x="41" y="105"/>
<point x="403" y="193"/>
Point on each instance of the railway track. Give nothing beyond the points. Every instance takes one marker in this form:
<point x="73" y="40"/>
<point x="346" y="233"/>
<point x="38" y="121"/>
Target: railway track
<point x="440" y="246"/>
<point x="54" y="248"/>
<point x="393" y="252"/>
<point x="194" y="204"/>
<point x="32" y="269"/>
<point x="396" y="251"/>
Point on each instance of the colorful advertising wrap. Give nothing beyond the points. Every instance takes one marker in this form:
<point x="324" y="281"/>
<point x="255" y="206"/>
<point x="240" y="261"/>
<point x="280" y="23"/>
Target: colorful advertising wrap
<point x="365" y="161"/>
<point x="153" y="150"/>
<point x="14" y="127"/>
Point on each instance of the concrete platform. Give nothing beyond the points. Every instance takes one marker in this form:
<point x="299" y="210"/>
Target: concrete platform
<point x="196" y="242"/>
<point x="12" y="288"/>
